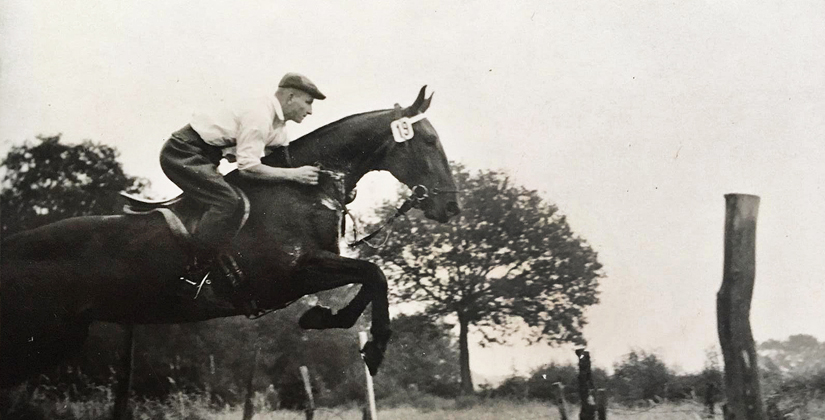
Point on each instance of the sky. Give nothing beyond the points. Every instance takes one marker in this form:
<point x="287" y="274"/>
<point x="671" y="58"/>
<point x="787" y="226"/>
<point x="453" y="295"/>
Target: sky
<point x="634" y="118"/>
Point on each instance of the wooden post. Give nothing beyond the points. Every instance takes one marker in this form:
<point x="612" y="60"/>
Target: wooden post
<point x="710" y="399"/>
<point x="560" y="401"/>
<point x="601" y="403"/>
<point x="588" y="405"/>
<point x="733" y="303"/>
<point x="310" y="409"/>
<point x="124" y="376"/>
<point x="248" y="408"/>
<point x="362" y="338"/>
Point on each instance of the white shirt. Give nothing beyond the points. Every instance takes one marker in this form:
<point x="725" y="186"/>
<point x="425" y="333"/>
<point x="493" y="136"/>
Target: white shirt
<point x="245" y="131"/>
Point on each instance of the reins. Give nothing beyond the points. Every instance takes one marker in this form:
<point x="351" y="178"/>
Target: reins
<point x="420" y="194"/>
<point x="402" y="131"/>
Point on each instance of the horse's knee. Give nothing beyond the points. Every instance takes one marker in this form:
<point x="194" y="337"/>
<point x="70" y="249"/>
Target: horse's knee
<point x="376" y="276"/>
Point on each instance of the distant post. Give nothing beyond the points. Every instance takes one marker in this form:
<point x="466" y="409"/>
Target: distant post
<point x="733" y="303"/>
<point x="601" y="403"/>
<point x="123" y="386"/>
<point x="710" y="398"/>
<point x="362" y="338"/>
<point x="248" y="408"/>
<point x="560" y="401"/>
<point x="310" y="410"/>
<point x="588" y="409"/>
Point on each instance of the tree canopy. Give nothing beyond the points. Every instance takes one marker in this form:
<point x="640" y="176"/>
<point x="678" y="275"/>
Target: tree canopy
<point x="508" y="263"/>
<point x="46" y="181"/>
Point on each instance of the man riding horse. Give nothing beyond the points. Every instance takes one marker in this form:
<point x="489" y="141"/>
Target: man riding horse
<point x="191" y="156"/>
<point x="59" y="278"/>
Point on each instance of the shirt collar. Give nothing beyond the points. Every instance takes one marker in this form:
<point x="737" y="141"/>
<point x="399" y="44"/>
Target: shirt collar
<point x="278" y="110"/>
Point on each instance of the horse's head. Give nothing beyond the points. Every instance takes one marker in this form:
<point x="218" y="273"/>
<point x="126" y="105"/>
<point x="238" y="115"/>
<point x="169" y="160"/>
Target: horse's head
<point x="416" y="158"/>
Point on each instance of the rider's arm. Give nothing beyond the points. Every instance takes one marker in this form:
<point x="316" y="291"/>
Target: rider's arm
<point x="304" y="174"/>
<point x="253" y="125"/>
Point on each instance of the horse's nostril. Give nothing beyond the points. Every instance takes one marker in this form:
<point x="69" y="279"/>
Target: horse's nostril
<point x="452" y="208"/>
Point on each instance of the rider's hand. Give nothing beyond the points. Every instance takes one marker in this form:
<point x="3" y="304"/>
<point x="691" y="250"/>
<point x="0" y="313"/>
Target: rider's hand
<point x="306" y="175"/>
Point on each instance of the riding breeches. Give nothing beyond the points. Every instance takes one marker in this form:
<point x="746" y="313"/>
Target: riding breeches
<point x="193" y="166"/>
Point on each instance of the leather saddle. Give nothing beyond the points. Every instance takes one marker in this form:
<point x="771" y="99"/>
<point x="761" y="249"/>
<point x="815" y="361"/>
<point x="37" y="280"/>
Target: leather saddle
<point x="182" y="216"/>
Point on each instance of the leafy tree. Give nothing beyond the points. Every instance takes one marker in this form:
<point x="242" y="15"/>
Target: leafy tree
<point x="798" y="355"/>
<point x="541" y="384"/>
<point x="641" y="376"/>
<point x="792" y="370"/>
<point x="48" y="181"/>
<point x="508" y="262"/>
<point x="421" y="357"/>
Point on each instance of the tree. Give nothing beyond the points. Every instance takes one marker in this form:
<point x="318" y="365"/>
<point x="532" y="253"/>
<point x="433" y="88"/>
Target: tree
<point x="800" y="354"/>
<point x="792" y="369"/>
<point x="641" y="376"/>
<point x="421" y="356"/>
<point x="48" y="181"/>
<point x="508" y="262"/>
<point x="541" y="384"/>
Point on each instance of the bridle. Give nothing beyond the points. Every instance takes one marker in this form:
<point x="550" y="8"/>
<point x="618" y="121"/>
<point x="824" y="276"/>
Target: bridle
<point x="402" y="131"/>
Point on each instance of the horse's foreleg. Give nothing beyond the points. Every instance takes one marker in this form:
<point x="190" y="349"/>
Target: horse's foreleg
<point x="328" y="271"/>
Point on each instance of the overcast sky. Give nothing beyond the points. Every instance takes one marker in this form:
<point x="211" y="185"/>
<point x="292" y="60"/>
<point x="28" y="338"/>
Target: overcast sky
<point x="635" y="118"/>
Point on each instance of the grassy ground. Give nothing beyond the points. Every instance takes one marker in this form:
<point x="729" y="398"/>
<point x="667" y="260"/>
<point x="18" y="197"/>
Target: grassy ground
<point x="489" y="411"/>
<point x="187" y="407"/>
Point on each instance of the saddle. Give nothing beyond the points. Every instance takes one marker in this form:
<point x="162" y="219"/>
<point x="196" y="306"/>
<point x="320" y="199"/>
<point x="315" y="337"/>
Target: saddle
<point x="182" y="216"/>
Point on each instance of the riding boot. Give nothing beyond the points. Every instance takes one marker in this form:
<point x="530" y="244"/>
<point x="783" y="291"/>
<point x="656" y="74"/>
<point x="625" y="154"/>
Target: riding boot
<point x="227" y="266"/>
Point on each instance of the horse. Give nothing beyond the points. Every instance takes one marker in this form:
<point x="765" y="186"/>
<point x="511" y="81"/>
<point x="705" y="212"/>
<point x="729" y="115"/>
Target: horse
<point x="59" y="278"/>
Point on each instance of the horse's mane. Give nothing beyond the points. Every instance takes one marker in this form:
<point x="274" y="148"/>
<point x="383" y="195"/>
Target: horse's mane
<point x="323" y="130"/>
<point x="314" y="138"/>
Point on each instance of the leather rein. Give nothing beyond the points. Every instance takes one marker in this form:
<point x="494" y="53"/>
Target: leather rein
<point x="402" y="131"/>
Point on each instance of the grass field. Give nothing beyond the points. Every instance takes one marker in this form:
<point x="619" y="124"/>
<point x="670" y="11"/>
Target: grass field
<point x="491" y="411"/>
<point x="476" y="409"/>
<point x="193" y="407"/>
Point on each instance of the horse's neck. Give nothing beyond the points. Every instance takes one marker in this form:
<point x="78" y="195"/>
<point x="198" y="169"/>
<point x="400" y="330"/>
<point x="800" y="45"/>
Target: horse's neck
<point x="351" y="149"/>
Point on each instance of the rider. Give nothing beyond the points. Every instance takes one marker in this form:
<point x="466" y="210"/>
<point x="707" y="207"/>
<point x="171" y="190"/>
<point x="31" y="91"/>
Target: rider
<point x="191" y="156"/>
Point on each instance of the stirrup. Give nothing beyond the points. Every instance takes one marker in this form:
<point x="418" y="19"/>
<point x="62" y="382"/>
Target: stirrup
<point x="197" y="275"/>
<point x="198" y="285"/>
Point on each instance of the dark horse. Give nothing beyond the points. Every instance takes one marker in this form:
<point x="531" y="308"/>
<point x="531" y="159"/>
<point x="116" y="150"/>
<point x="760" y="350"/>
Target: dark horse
<point x="59" y="278"/>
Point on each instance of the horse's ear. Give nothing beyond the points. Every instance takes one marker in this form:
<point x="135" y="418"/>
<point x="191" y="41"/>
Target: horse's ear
<point x="426" y="104"/>
<point x="415" y="108"/>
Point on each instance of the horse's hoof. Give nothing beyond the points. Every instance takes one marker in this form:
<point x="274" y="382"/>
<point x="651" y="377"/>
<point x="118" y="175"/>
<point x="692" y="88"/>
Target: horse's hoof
<point x="373" y="355"/>
<point x="316" y="318"/>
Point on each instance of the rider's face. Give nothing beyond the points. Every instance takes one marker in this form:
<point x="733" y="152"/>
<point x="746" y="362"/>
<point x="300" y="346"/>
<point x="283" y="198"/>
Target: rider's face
<point x="298" y="106"/>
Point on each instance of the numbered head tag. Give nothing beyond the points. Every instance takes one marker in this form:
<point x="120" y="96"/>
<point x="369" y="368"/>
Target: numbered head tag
<point x="402" y="128"/>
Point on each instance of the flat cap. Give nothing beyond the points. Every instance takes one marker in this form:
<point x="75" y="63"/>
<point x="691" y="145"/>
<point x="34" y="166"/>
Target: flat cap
<point x="300" y="82"/>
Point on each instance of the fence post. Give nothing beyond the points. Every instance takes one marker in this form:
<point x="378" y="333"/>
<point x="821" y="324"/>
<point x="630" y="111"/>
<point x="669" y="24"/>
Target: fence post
<point x="310" y="410"/>
<point x="248" y="409"/>
<point x="124" y="377"/>
<point x="588" y="405"/>
<point x="710" y="398"/>
<point x="362" y="338"/>
<point x="601" y="403"/>
<point x="560" y="401"/>
<point x="733" y="303"/>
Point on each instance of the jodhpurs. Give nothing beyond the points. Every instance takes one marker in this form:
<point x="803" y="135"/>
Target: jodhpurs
<point x="192" y="165"/>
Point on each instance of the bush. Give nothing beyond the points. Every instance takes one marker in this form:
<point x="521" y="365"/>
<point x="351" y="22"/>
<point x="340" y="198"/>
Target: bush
<point x="641" y="376"/>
